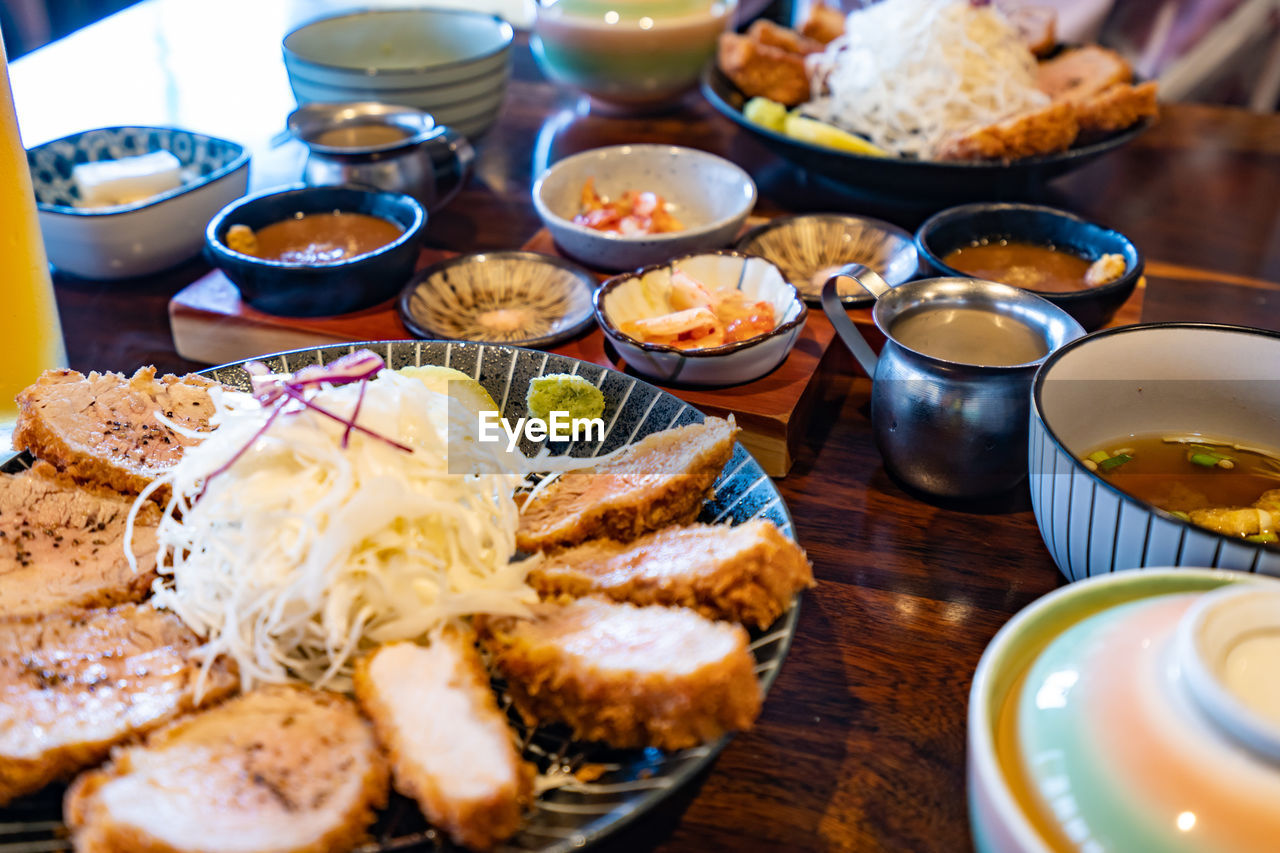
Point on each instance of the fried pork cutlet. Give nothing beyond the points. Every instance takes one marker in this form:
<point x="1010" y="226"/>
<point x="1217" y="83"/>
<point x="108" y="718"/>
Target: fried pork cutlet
<point x="1117" y="107"/>
<point x="629" y="676"/>
<point x="62" y="546"/>
<point x="763" y="69"/>
<point x="767" y="32"/>
<point x="823" y="23"/>
<point x="278" y="770"/>
<point x="1029" y="134"/>
<point x="102" y="428"/>
<point x="661" y="479"/>
<point x="747" y="573"/>
<point x="449" y="746"/>
<point x="1081" y="73"/>
<point x="76" y="683"/>
<point x="1037" y="27"/>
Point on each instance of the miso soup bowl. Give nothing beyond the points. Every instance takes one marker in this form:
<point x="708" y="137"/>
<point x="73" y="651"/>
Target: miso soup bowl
<point x="1160" y="378"/>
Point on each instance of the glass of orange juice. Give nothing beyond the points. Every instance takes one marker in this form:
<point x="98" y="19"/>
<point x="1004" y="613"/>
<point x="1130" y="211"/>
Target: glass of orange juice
<point x="29" y="329"/>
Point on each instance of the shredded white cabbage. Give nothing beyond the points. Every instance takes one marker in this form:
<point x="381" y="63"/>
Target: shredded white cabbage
<point x="302" y="552"/>
<point x="907" y="73"/>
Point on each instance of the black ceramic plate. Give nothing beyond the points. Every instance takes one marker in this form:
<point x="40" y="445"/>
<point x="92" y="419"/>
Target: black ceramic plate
<point x="903" y="178"/>
<point x="571" y="817"/>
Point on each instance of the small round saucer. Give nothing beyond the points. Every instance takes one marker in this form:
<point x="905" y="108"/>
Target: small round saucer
<point x="810" y="247"/>
<point x="520" y="298"/>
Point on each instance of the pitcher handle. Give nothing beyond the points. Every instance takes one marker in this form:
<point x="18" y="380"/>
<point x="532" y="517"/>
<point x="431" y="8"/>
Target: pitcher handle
<point x="453" y="158"/>
<point x="870" y="281"/>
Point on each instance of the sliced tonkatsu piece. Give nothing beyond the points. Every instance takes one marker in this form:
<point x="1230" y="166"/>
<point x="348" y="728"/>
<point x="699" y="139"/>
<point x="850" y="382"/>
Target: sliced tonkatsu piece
<point x="75" y="683"/>
<point x="1082" y="72"/>
<point x="1035" y="132"/>
<point x="278" y="770"/>
<point x="102" y="428"/>
<point x="661" y="479"/>
<point x="747" y="573"/>
<point x="630" y="676"/>
<point x="62" y="545"/>
<point x="1118" y="107"/>
<point x="449" y="746"/>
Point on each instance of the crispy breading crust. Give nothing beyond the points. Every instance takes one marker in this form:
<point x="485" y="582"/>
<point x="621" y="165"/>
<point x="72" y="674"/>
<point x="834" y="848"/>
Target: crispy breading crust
<point x="42" y="436"/>
<point x="764" y="31"/>
<point x="754" y="587"/>
<point x="624" y="709"/>
<point x="20" y="776"/>
<point x="1044" y="131"/>
<point x="823" y="23"/>
<point x="1116" y="108"/>
<point x="553" y="519"/>
<point x="478" y="824"/>
<point x="94" y="831"/>
<point x="763" y="69"/>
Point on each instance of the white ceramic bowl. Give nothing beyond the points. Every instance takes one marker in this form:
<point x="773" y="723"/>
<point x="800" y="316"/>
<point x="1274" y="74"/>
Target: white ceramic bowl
<point x="451" y="63"/>
<point x="631" y="296"/>
<point x="1134" y="380"/>
<point x="709" y="195"/>
<point x="141" y="238"/>
<point x="1003" y="815"/>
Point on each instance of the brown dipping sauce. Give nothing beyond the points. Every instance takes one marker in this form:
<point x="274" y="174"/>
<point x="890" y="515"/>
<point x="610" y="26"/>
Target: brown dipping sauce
<point x="969" y="336"/>
<point x="361" y="136"/>
<point x="1022" y="265"/>
<point x="324" y="238"/>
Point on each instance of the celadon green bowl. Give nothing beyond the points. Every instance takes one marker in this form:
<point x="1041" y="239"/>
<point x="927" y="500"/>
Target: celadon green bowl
<point x="1051" y="769"/>
<point x="628" y="55"/>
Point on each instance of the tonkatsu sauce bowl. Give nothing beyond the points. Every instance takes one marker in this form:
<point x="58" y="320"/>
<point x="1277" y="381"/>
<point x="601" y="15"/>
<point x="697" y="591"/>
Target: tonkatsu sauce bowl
<point x="969" y="224"/>
<point x="1161" y="378"/>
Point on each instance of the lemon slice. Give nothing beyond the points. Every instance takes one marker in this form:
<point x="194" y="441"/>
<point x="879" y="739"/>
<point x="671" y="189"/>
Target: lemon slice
<point x="455" y="383"/>
<point x="819" y="133"/>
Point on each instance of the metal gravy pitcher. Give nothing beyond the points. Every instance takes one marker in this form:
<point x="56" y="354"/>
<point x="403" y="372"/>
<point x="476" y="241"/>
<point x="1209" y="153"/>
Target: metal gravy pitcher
<point x="944" y="427"/>
<point x="391" y="148"/>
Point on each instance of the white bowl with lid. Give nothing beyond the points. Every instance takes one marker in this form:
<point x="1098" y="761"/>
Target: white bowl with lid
<point x="1135" y="711"/>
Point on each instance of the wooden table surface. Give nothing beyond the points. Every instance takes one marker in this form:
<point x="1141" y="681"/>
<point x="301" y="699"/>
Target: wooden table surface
<point x="861" y="745"/>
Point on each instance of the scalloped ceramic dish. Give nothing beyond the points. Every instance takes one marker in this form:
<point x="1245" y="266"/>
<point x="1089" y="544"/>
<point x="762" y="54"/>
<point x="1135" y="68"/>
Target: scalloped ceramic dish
<point x="810" y="247"/>
<point x="638" y="295"/>
<point x="519" y="298"/>
<point x="631" y="782"/>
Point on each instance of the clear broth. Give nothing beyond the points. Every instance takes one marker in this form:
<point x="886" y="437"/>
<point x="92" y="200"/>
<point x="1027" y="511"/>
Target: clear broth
<point x="969" y="336"/>
<point x="1024" y="265"/>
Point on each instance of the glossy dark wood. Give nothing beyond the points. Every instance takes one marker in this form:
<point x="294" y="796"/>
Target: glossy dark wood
<point x="862" y="742"/>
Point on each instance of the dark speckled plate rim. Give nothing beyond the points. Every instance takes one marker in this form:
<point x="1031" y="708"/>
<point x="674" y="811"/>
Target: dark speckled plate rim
<point x="421" y="279"/>
<point x="851" y="300"/>
<point x="681" y="766"/>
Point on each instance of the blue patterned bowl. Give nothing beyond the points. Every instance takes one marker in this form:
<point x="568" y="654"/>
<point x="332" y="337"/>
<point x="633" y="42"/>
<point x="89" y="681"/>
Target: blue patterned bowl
<point x="140" y="238"/>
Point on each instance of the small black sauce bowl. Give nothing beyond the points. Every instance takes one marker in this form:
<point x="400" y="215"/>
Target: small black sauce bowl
<point x="314" y="290"/>
<point x="968" y="224"/>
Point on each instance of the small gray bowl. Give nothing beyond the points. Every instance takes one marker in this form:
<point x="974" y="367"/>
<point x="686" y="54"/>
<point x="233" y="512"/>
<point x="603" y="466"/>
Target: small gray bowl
<point x="520" y="298"/>
<point x="709" y="195"/>
<point x="810" y="247"/>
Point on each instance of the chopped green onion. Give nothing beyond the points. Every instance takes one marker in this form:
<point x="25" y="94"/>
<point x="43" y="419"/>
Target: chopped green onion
<point x="1114" y="462"/>
<point x="1203" y="459"/>
<point x="1099" y="456"/>
<point x="1263" y="538"/>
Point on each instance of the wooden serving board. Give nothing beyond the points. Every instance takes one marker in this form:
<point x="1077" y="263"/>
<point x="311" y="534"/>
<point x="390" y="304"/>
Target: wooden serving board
<point x="211" y="324"/>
